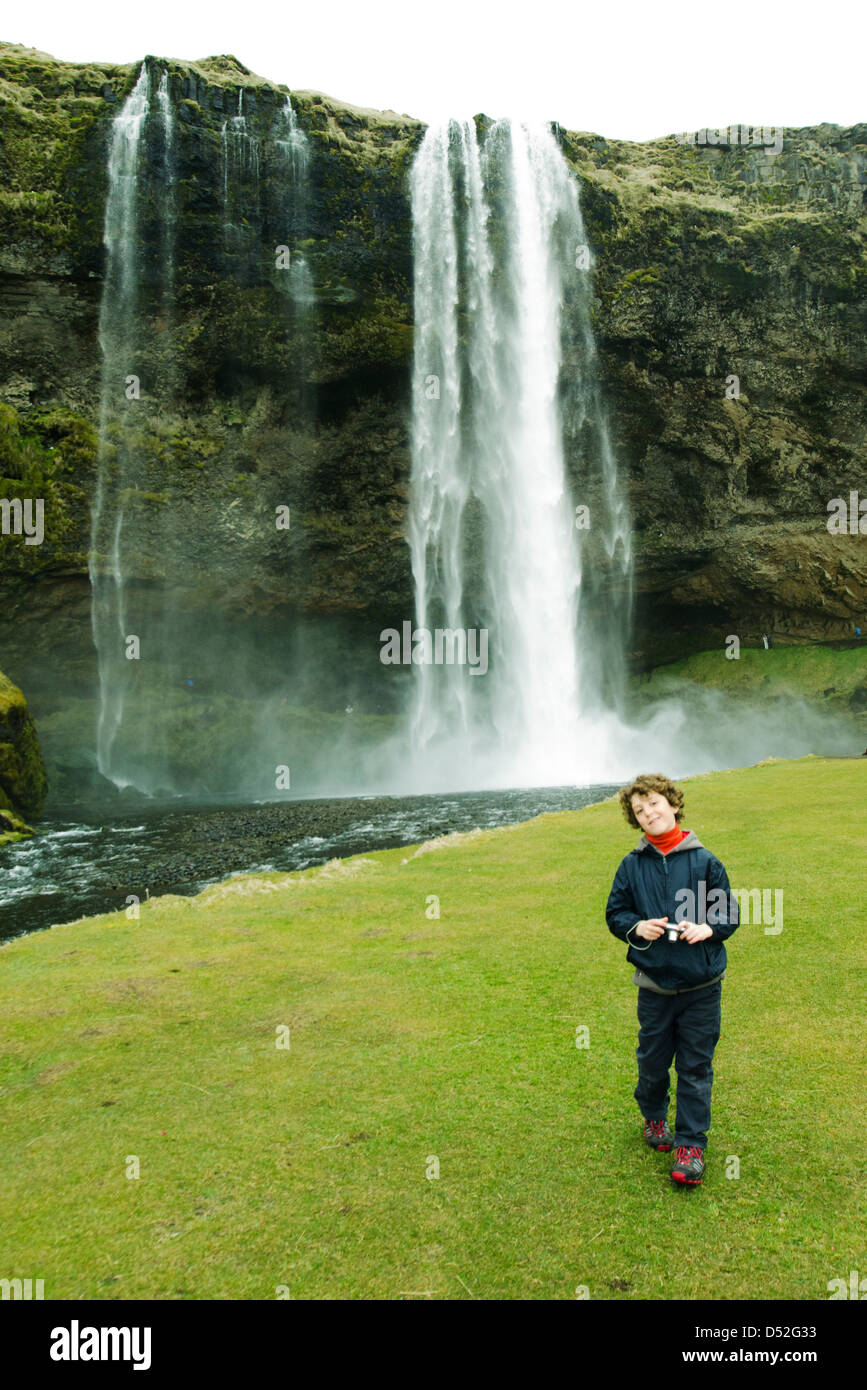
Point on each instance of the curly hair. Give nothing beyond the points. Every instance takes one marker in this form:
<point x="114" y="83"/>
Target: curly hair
<point x="651" y="782"/>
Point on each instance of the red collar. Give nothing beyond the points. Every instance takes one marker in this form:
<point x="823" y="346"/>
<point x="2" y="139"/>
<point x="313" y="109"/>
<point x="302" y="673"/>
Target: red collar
<point x="669" y="840"/>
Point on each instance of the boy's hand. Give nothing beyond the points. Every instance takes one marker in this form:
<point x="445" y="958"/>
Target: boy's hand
<point x="651" y="928"/>
<point x="695" y="931"/>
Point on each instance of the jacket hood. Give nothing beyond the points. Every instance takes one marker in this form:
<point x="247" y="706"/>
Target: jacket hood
<point x="691" y="842"/>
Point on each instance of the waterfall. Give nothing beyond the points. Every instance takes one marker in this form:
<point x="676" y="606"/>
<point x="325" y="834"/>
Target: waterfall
<point x="505" y="381"/>
<point x="239" y="149"/>
<point x="119" y="345"/>
<point x="292" y="151"/>
<point x="136" y="318"/>
<point x="154" y="655"/>
<point x="170" y="221"/>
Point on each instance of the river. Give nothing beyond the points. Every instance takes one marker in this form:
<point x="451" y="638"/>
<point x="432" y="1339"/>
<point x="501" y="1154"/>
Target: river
<point x="90" y="864"/>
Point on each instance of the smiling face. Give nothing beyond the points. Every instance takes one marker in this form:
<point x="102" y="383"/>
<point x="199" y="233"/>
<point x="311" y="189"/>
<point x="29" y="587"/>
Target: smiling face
<point x="654" y="814"/>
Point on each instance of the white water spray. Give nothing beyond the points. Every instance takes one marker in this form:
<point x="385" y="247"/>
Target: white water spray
<point x="501" y="288"/>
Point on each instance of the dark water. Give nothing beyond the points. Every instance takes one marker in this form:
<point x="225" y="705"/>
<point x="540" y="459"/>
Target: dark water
<point x="90" y="865"/>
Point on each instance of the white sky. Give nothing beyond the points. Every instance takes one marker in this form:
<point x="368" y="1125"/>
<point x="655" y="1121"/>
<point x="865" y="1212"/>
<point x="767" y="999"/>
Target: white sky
<point x="630" y="70"/>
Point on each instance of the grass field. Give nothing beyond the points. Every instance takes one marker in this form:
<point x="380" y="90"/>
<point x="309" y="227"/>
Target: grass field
<point x="830" y="678"/>
<point x="305" y="1168"/>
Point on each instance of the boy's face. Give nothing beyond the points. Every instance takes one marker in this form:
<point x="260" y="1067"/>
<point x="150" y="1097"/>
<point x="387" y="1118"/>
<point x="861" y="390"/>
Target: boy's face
<point x="654" y="814"/>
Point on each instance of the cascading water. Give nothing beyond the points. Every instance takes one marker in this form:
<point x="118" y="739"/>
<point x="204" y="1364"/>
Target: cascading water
<point x="292" y="149"/>
<point x="118" y="342"/>
<point x="138" y="387"/>
<point x="167" y="115"/>
<point x="504" y="379"/>
<point x="241" y="194"/>
<point x="153" y="656"/>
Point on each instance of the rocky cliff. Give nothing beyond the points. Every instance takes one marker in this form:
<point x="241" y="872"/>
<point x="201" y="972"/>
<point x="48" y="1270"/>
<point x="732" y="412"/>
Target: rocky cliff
<point x="729" y="285"/>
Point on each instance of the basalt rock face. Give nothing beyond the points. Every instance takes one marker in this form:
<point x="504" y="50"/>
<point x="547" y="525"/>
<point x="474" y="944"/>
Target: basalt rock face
<point x="732" y="286"/>
<point x="709" y="262"/>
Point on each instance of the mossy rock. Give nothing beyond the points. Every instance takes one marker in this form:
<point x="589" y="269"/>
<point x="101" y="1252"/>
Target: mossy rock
<point x="12" y="829"/>
<point x="23" y="783"/>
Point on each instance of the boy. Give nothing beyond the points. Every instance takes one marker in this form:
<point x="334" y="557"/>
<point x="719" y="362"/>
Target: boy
<point x="670" y="881"/>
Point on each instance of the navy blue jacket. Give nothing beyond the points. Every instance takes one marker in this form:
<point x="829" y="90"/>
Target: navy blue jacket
<point x="647" y="884"/>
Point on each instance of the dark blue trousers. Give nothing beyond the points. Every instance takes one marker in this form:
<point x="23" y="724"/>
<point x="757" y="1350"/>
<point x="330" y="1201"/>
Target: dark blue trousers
<point x="685" y="1028"/>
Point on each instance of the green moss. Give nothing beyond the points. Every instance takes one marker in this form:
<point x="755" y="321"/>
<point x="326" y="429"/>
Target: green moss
<point x="12" y="828"/>
<point x="39" y="457"/>
<point x="774" y="195"/>
<point x="52" y="178"/>
<point x="23" y="782"/>
<point x="400" y="162"/>
<point x="641" y="277"/>
<point x="645" y="276"/>
<point x="72" y="440"/>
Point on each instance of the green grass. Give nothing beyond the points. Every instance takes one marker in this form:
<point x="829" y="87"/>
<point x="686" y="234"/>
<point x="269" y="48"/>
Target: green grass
<point x="412" y="1037"/>
<point x="836" y="677"/>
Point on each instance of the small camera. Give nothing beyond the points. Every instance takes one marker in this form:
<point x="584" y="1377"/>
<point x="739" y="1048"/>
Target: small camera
<point x="672" y="932"/>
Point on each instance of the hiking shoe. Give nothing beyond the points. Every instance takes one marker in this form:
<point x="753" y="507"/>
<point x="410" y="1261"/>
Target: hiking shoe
<point x="658" y="1135"/>
<point x="689" y="1167"/>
